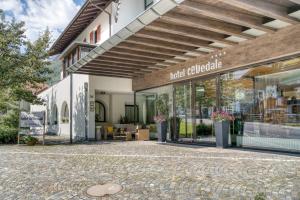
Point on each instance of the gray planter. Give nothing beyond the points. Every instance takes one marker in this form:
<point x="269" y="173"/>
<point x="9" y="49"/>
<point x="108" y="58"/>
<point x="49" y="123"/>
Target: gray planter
<point x="162" y="129"/>
<point x="222" y="133"/>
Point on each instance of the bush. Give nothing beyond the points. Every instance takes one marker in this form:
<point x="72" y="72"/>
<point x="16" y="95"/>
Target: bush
<point x="260" y="196"/>
<point x="203" y="129"/>
<point x="30" y="140"/>
<point x="8" y="135"/>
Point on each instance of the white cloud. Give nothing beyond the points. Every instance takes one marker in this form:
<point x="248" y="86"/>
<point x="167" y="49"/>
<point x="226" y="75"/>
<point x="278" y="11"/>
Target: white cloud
<point x="40" y="14"/>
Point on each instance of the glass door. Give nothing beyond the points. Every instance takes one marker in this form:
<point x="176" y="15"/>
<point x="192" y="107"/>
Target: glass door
<point x="205" y="103"/>
<point x="183" y="112"/>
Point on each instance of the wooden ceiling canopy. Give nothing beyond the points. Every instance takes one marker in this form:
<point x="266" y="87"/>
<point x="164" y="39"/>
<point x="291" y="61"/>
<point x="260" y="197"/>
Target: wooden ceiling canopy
<point x="89" y="11"/>
<point x="192" y="29"/>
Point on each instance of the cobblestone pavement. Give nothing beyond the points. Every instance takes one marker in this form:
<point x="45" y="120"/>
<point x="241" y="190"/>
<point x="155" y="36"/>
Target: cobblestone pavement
<point x="146" y="170"/>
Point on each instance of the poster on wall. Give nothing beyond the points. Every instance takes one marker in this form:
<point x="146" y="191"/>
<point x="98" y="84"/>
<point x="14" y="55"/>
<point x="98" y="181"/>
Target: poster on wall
<point x="271" y="91"/>
<point x="92" y="106"/>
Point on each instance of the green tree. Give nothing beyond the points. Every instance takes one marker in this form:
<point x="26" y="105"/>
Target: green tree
<point x="23" y="69"/>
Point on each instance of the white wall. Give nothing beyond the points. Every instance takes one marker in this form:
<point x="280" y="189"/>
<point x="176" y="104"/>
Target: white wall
<point x="129" y="10"/>
<point x="57" y="95"/>
<point x="102" y="20"/>
<point x="119" y="91"/>
<point x="118" y="105"/>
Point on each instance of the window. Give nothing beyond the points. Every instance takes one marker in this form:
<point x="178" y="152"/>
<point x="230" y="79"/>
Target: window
<point x="100" y="112"/>
<point x="64" y="113"/>
<point x="148" y="3"/>
<point x="129" y="113"/>
<point x="98" y="33"/>
<point x="91" y="37"/>
<point x="54" y="115"/>
<point x="95" y="37"/>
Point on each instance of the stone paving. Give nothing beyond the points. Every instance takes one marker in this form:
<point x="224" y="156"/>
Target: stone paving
<point x="146" y="170"/>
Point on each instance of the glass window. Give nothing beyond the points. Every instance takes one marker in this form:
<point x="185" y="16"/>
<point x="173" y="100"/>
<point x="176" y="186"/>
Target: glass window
<point x="54" y="115"/>
<point x="148" y="3"/>
<point x="65" y="113"/>
<point x="266" y="103"/>
<point x="129" y="113"/>
<point x="100" y="112"/>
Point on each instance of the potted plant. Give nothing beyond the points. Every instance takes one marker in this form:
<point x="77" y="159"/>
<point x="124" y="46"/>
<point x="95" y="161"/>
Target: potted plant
<point x="175" y="129"/>
<point x="29" y="140"/>
<point x="222" y="121"/>
<point x="162" y="118"/>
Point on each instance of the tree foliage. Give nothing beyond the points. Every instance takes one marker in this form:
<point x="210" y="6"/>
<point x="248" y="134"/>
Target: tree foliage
<point x="23" y="70"/>
<point x="23" y="64"/>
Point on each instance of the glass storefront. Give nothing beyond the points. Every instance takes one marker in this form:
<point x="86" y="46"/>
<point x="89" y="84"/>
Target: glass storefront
<point x="265" y="101"/>
<point x="146" y="102"/>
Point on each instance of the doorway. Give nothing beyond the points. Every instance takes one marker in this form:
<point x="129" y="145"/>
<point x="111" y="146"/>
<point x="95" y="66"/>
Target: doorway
<point x="194" y="102"/>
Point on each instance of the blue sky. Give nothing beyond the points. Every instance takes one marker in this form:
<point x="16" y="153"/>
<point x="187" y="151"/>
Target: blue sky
<point x="40" y="14"/>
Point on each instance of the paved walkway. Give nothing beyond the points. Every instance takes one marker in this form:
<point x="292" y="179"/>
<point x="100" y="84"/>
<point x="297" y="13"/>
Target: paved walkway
<point x="146" y="170"/>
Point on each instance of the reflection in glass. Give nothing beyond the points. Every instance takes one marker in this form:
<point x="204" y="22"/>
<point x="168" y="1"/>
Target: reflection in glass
<point x="265" y="101"/>
<point x="205" y="105"/>
<point x="184" y="111"/>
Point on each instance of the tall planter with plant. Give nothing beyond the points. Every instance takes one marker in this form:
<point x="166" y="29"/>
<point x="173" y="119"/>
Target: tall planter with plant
<point x="162" y="118"/>
<point x="222" y="121"/>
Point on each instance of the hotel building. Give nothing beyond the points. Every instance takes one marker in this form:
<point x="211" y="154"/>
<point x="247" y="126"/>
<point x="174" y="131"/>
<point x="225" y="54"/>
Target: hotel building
<point x="240" y="56"/>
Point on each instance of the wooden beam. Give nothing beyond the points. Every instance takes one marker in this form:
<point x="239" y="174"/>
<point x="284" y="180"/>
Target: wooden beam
<point x="104" y="74"/>
<point x="117" y="66"/>
<point x="114" y="59"/>
<point x="207" y="24"/>
<point x="264" y="8"/>
<point x="226" y="15"/>
<point x="126" y="45"/>
<point x="121" y="62"/>
<point x="163" y="44"/>
<point x="282" y="45"/>
<point x="109" y="71"/>
<point x="131" y="57"/>
<point x="140" y="53"/>
<point x="106" y="71"/>
<point x="186" y="31"/>
<point x="171" y="37"/>
<point x="99" y="68"/>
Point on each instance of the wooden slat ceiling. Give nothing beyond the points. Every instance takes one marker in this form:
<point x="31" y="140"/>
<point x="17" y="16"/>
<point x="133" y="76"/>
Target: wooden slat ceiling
<point x="194" y="28"/>
<point x="84" y="17"/>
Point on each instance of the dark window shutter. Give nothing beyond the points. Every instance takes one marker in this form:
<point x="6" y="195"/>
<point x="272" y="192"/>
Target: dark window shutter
<point x="78" y="53"/>
<point x="91" y="37"/>
<point x="98" y="33"/>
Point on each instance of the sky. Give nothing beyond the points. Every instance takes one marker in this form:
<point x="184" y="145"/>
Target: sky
<point x="40" y="14"/>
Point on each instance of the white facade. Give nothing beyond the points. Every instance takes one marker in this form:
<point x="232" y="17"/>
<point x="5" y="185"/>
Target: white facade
<point x="114" y="93"/>
<point x="103" y="89"/>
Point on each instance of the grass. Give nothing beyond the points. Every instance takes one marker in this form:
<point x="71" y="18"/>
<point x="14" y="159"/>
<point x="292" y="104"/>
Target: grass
<point x="182" y="129"/>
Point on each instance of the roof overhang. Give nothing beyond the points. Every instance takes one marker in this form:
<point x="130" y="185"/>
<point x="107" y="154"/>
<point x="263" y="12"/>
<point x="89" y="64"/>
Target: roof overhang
<point x="88" y="12"/>
<point x="175" y="31"/>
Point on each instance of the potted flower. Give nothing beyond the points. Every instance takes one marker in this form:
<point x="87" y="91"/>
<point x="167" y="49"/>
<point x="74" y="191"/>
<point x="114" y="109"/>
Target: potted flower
<point x="29" y="140"/>
<point x="222" y="121"/>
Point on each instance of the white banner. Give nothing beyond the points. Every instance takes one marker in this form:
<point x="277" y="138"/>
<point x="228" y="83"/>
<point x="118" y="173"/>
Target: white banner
<point x="32" y="120"/>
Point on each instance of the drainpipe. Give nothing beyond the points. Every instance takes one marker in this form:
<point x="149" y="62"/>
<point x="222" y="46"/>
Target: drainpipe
<point x="71" y="108"/>
<point x="103" y="10"/>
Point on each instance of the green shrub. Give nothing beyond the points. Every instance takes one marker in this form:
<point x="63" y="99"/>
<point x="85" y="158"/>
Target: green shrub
<point x="203" y="129"/>
<point x="260" y="196"/>
<point x="8" y="135"/>
<point x="30" y="140"/>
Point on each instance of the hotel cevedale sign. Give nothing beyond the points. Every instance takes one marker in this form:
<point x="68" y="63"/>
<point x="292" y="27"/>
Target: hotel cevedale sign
<point x="212" y="65"/>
